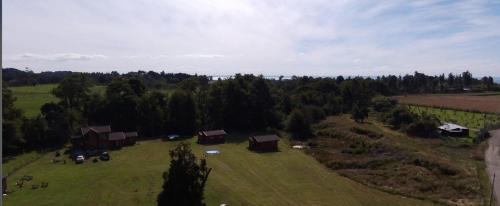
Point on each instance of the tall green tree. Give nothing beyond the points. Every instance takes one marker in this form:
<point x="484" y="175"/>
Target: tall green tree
<point x="185" y="180"/>
<point x="298" y="125"/>
<point x="123" y="97"/>
<point x="11" y="122"/>
<point x="73" y="90"/>
<point x="35" y="132"/>
<point x="262" y="110"/>
<point x="182" y="112"/>
<point x="152" y="113"/>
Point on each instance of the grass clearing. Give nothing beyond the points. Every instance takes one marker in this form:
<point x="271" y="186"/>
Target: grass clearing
<point x="31" y="98"/>
<point x="239" y="177"/>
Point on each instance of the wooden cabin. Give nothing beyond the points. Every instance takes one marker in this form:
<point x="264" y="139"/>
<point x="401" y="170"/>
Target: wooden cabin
<point x="263" y="143"/>
<point x="116" y="139"/>
<point x="95" y="137"/>
<point x="451" y="129"/>
<point x="102" y="138"/>
<point x="131" y="138"/>
<point x="211" y="137"/>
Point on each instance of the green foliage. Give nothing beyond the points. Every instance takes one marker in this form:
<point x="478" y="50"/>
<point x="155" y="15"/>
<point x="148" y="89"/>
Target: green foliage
<point x="359" y="113"/>
<point x="152" y="113"/>
<point x="185" y="180"/>
<point x="182" y="113"/>
<point x="35" y="132"/>
<point x="399" y="116"/>
<point x="423" y="126"/>
<point x="298" y="126"/>
<point x="382" y="103"/>
<point x="73" y="90"/>
<point x="122" y="98"/>
<point x="11" y="123"/>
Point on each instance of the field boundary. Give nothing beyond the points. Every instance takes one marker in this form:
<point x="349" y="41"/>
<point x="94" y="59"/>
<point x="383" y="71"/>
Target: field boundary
<point x="450" y="108"/>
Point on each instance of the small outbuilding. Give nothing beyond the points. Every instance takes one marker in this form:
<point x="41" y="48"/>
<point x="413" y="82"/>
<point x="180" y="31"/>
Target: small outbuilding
<point x="263" y="143"/>
<point x="131" y="138"/>
<point x="211" y="137"/>
<point x="453" y="129"/>
<point x="117" y="139"/>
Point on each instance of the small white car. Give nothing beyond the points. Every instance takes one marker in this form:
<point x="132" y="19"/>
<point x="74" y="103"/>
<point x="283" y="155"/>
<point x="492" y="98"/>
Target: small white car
<point x="173" y="136"/>
<point x="79" y="159"/>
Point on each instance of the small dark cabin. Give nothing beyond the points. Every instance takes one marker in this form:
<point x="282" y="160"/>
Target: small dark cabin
<point x="130" y="138"/>
<point x="211" y="137"/>
<point x="117" y="139"/>
<point x="263" y="143"/>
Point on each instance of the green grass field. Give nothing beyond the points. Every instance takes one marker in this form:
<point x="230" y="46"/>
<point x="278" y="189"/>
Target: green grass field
<point x="473" y="120"/>
<point x="31" y="98"/>
<point x="239" y="177"/>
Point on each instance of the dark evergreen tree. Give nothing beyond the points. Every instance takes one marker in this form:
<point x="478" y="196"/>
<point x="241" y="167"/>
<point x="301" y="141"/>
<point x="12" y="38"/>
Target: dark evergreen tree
<point x="185" y="180"/>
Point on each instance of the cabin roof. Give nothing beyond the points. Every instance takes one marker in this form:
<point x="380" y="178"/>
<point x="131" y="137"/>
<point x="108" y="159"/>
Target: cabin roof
<point x="96" y="129"/>
<point x="214" y="132"/>
<point x="131" y="134"/>
<point x="116" y="136"/>
<point x="265" y="138"/>
<point x="76" y="136"/>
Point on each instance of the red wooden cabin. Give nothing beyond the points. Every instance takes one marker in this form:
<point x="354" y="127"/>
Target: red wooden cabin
<point x="211" y="137"/>
<point x="263" y="143"/>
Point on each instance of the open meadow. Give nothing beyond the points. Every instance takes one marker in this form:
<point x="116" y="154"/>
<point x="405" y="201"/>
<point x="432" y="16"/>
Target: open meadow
<point x="447" y="170"/>
<point x="133" y="176"/>
<point x="31" y="98"/>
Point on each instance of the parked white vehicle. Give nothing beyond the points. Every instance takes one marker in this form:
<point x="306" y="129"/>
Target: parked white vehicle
<point x="79" y="159"/>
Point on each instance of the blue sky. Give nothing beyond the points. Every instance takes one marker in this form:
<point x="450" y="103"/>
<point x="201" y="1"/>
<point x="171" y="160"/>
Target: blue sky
<point x="314" y="37"/>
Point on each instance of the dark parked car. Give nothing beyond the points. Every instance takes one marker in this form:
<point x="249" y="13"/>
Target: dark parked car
<point x="104" y="156"/>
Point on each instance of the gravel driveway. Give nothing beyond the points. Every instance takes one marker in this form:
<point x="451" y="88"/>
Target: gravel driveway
<point x="492" y="158"/>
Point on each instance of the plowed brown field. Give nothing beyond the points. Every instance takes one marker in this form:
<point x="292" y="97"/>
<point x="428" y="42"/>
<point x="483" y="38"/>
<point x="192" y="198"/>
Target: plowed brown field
<point x="463" y="102"/>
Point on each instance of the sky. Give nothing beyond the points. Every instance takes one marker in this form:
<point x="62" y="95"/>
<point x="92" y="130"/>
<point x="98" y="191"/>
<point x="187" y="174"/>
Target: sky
<point x="217" y="37"/>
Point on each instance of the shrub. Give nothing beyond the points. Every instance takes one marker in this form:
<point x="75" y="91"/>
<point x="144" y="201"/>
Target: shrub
<point x="425" y="126"/>
<point x="298" y="125"/>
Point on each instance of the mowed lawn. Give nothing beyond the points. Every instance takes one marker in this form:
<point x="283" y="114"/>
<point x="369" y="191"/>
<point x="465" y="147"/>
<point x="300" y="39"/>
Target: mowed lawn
<point x="239" y="177"/>
<point x="31" y="98"/>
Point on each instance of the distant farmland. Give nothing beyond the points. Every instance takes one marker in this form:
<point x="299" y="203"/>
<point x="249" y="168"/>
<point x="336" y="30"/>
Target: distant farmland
<point x="480" y="103"/>
<point x="31" y="98"/>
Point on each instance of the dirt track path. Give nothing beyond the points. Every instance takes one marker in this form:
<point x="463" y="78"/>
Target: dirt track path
<point x="492" y="158"/>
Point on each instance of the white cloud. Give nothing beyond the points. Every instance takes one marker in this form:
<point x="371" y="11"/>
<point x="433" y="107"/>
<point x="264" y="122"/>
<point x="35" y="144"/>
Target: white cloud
<point x="316" y="37"/>
<point x="56" y="57"/>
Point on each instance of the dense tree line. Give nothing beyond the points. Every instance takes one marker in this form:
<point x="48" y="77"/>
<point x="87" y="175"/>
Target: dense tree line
<point x="132" y="102"/>
<point x="15" y="77"/>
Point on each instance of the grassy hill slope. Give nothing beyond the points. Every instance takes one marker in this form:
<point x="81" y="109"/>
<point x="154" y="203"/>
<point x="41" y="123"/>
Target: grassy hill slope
<point x="239" y="177"/>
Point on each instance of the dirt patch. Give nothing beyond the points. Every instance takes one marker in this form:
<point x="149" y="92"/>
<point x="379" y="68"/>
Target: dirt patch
<point x="463" y="102"/>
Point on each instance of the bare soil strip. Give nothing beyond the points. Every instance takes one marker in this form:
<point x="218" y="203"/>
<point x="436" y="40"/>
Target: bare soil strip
<point x="489" y="104"/>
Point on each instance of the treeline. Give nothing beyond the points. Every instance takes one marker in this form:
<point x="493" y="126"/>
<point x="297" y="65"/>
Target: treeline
<point x="191" y="103"/>
<point x="409" y="83"/>
<point x="15" y="77"/>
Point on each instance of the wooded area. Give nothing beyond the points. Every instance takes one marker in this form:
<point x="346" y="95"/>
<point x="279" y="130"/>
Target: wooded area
<point x="159" y="103"/>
